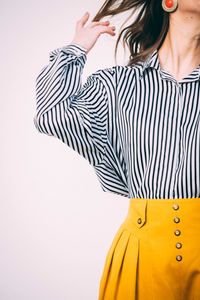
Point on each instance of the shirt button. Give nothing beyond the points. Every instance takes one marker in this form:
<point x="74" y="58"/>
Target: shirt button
<point x="139" y="220"/>
<point x="178" y="257"/>
<point x="178" y="245"/>
<point x="177" y="232"/>
<point x="176" y="219"/>
<point x="175" y="206"/>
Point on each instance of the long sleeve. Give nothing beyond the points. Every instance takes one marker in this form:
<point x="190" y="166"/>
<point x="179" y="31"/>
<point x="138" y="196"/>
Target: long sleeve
<point x="142" y="141"/>
<point x="74" y="113"/>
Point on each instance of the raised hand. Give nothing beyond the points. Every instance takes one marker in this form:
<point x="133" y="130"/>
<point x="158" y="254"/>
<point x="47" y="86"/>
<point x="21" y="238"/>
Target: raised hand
<point x="86" y="36"/>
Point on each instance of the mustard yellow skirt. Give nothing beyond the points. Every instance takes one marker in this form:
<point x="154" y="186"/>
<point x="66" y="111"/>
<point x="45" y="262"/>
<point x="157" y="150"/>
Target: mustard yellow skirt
<point x="155" y="253"/>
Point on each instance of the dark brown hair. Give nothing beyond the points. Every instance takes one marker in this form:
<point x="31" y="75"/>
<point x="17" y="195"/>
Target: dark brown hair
<point x="148" y="30"/>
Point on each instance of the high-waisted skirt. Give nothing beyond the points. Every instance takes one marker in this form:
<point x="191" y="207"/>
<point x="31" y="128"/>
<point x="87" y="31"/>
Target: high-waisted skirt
<point x="155" y="253"/>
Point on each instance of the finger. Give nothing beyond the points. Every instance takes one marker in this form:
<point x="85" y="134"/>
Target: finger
<point x="99" y="23"/>
<point x="80" y="23"/>
<point x="105" y="29"/>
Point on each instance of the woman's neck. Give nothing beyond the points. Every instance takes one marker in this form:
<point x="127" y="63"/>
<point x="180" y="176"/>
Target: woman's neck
<point x="180" y="51"/>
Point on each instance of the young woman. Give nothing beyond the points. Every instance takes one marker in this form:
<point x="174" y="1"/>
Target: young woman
<point x="138" y="125"/>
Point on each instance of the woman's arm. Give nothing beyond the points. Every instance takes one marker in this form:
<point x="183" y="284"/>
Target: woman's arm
<point x="75" y="114"/>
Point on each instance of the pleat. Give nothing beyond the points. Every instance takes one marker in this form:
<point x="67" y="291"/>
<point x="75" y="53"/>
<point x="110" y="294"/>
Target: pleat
<point x="127" y="286"/>
<point x="118" y="281"/>
<point x="108" y="263"/>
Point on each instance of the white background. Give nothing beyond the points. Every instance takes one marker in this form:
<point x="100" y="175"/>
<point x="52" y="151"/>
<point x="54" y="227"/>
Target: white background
<point x="56" y="224"/>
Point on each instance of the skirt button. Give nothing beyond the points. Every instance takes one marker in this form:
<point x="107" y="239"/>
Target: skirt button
<point x="175" y="206"/>
<point x="177" y="232"/>
<point x="178" y="257"/>
<point x="178" y="245"/>
<point x="139" y="220"/>
<point x="176" y="219"/>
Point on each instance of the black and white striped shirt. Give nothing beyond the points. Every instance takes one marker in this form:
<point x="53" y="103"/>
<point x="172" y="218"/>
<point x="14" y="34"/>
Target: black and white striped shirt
<point x="136" y="125"/>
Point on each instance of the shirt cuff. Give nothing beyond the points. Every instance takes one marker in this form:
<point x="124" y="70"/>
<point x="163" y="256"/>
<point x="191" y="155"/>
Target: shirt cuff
<point x="75" y="48"/>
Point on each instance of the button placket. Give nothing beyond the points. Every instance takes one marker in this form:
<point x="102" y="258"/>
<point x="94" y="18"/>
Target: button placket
<point x="177" y="232"/>
<point x="179" y="148"/>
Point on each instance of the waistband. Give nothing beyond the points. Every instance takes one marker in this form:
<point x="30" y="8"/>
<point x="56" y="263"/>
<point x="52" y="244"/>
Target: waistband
<point x="165" y="200"/>
<point x="161" y="208"/>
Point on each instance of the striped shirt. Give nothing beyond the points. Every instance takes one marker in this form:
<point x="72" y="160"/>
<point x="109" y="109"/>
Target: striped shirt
<point x="137" y="126"/>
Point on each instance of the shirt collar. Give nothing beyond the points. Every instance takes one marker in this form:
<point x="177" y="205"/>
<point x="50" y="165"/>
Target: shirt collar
<point x="152" y="61"/>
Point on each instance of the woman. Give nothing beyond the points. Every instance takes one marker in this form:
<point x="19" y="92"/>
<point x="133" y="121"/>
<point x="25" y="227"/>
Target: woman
<point x="139" y="127"/>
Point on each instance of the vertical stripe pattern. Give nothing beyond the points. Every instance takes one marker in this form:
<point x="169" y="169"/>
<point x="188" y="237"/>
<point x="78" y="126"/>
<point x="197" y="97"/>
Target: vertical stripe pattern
<point x="136" y="125"/>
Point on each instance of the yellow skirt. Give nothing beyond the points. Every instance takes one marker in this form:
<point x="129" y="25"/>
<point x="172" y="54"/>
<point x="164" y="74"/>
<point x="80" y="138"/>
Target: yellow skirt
<point x="155" y="253"/>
